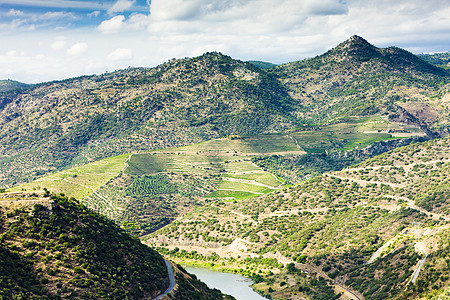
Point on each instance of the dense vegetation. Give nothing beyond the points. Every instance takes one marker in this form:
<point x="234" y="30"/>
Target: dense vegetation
<point x="10" y="85"/>
<point x="58" y="248"/>
<point x="300" y="167"/>
<point x="143" y="204"/>
<point x="179" y="102"/>
<point x="356" y="78"/>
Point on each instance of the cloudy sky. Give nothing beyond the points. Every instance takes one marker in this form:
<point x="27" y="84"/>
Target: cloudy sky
<point x="42" y="40"/>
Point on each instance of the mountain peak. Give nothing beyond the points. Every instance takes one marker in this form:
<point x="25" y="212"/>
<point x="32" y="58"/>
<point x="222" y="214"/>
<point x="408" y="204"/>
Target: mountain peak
<point x="356" y="42"/>
<point x="357" y="48"/>
<point x="356" y="39"/>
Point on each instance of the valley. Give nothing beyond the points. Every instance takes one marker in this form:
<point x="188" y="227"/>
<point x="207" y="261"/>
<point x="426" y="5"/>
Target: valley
<point x="324" y="178"/>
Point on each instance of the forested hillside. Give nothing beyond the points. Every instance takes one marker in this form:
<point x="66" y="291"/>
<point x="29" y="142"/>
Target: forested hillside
<point x="54" y="125"/>
<point x="54" y="248"/>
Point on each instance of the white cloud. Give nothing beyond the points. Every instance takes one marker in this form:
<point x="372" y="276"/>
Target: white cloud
<point x="138" y="21"/>
<point x="119" y="23"/>
<point x="276" y="31"/>
<point x="58" y="45"/>
<point x="77" y="49"/>
<point x="120" y="6"/>
<point x="120" y="54"/>
<point x="11" y="53"/>
<point x="52" y="15"/>
<point x="94" y="14"/>
<point x="115" y="24"/>
<point x="15" y="13"/>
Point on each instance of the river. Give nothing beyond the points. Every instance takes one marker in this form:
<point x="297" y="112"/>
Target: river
<point x="231" y="284"/>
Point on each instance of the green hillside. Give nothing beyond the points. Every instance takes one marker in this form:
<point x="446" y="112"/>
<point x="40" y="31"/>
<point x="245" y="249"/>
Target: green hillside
<point x="356" y="78"/>
<point x="262" y="64"/>
<point x="8" y="85"/>
<point x="53" y="126"/>
<point x="437" y="59"/>
<point x="382" y="211"/>
<point x="144" y="191"/>
<point x="55" y="248"/>
<point x="324" y="178"/>
<point x="63" y="123"/>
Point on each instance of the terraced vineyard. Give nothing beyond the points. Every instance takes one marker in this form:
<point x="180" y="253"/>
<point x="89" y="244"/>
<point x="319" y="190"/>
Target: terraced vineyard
<point x="145" y="191"/>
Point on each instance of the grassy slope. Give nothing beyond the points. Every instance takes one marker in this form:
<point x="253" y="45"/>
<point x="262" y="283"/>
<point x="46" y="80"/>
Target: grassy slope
<point x="79" y="182"/>
<point x="220" y="168"/>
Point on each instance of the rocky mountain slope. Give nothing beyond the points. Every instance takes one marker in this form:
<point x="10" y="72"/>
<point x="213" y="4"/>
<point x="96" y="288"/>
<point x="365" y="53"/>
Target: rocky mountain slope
<point x="75" y="121"/>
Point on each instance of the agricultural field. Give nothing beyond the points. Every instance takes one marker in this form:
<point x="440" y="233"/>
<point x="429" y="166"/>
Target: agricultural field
<point x="79" y="182"/>
<point x="353" y="132"/>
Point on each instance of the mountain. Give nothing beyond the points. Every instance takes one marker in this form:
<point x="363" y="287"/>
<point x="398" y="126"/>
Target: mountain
<point x="356" y="78"/>
<point x="55" y="125"/>
<point x="222" y="163"/>
<point x="54" y="248"/>
<point x="75" y="121"/>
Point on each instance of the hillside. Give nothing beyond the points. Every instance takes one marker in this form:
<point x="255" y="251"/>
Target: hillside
<point x="437" y="59"/>
<point x="359" y="231"/>
<point x="356" y="78"/>
<point x="52" y="126"/>
<point x="146" y="190"/>
<point x="54" y="248"/>
<point x="8" y="85"/>
<point x="75" y="121"/>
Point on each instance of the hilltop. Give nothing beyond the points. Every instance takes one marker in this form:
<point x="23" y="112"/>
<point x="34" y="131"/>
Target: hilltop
<point x="53" y="248"/>
<point x="8" y="85"/>
<point x="356" y="78"/>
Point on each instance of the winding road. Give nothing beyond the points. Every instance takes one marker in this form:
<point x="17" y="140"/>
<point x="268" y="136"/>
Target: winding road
<point x="172" y="280"/>
<point x="416" y="274"/>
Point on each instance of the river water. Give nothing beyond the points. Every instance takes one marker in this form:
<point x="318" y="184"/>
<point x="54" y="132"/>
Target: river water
<point x="231" y="284"/>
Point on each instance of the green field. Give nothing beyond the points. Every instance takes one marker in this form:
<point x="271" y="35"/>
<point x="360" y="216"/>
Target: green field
<point x="79" y="182"/>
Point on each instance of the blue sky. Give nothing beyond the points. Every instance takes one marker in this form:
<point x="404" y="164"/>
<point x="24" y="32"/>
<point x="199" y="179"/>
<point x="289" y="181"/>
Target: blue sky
<point x="42" y="40"/>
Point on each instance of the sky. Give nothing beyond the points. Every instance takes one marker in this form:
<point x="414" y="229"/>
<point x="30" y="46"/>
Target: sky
<point x="45" y="40"/>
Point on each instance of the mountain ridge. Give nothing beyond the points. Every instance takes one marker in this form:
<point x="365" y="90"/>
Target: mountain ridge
<point x="60" y="124"/>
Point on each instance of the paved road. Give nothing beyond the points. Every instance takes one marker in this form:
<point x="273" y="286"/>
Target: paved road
<point x="172" y="280"/>
<point x="420" y="264"/>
